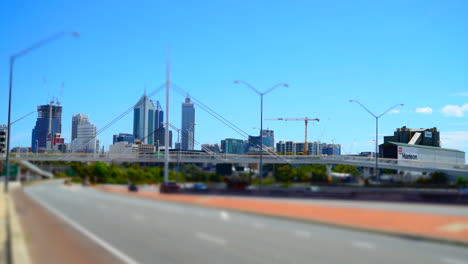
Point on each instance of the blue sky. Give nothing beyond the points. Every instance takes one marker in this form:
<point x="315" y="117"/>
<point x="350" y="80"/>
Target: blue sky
<point x="379" y="52"/>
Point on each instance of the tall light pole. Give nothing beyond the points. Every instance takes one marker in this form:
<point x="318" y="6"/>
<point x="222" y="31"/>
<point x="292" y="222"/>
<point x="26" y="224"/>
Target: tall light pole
<point x="377" y="176"/>
<point x="261" y="119"/>
<point x="12" y="63"/>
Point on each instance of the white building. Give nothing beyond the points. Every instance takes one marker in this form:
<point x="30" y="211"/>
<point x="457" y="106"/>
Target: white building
<point x="86" y="140"/>
<point x="123" y="147"/>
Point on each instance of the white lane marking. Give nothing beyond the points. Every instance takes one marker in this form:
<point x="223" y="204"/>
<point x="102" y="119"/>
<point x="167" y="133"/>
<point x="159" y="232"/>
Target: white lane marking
<point x="211" y="238"/>
<point x="224" y="215"/>
<point x="453" y="261"/>
<point x="114" y="251"/>
<point x="101" y="206"/>
<point x="138" y="217"/>
<point x="200" y="213"/>
<point x="363" y="244"/>
<point x="258" y="225"/>
<point x="302" y="233"/>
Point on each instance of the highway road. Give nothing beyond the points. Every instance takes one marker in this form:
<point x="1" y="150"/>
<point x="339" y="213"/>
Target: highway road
<point x="137" y="230"/>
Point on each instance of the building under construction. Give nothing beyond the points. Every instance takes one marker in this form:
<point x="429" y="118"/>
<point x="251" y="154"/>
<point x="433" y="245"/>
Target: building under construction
<point x="48" y="123"/>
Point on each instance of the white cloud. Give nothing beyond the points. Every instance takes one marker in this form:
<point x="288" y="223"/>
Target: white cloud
<point x="462" y="94"/>
<point x="455" y="139"/>
<point x="394" y="111"/>
<point x="455" y="110"/>
<point x="424" y="110"/>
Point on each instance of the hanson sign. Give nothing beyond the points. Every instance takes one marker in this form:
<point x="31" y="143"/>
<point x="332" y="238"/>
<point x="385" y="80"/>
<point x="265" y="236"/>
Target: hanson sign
<point x="403" y="154"/>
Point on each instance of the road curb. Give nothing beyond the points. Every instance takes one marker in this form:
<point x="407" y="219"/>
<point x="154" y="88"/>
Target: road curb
<point x="14" y="249"/>
<point x="403" y="235"/>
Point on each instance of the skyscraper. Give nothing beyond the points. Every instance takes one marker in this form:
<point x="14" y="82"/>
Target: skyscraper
<point x="48" y="123"/>
<point x="78" y="119"/>
<point x="85" y="140"/>
<point x="143" y="120"/>
<point x="188" y="124"/>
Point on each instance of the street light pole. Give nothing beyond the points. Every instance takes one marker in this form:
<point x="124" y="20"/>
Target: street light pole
<point x="12" y="63"/>
<point x="377" y="176"/>
<point x="260" y="169"/>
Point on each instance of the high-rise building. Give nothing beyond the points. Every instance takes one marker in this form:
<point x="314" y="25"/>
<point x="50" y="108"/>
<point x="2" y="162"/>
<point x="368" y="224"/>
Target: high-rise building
<point x="160" y="138"/>
<point x="143" y="120"/>
<point x="86" y="140"/>
<point x="77" y="119"/>
<point x="48" y="123"/>
<point x="268" y="140"/>
<point x="3" y="138"/>
<point x="188" y="124"/>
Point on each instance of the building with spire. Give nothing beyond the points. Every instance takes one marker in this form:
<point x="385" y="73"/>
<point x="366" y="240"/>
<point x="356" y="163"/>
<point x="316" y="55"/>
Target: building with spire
<point x="144" y="120"/>
<point x="188" y="124"/>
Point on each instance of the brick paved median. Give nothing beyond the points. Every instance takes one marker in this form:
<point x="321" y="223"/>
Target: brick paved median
<point x="430" y="226"/>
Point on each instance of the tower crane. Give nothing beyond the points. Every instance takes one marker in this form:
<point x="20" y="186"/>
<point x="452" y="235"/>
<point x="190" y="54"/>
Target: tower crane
<point x="306" y="121"/>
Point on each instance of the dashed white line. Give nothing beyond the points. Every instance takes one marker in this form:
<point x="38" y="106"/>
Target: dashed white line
<point x="453" y="261"/>
<point x="363" y="245"/>
<point x="302" y="233"/>
<point x="138" y="217"/>
<point x="211" y="238"/>
<point x="258" y="225"/>
<point x="224" y="215"/>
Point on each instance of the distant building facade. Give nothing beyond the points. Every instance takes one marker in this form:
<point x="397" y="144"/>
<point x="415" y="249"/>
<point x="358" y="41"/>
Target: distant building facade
<point x="130" y="138"/>
<point x="86" y="138"/>
<point x="48" y="123"/>
<point x="77" y="119"/>
<point x="268" y="141"/>
<point x="425" y="137"/>
<point x="232" y="146"/>
<point x="420" y="145"/>
<point x="313" y="148"/>
<point x="188" y="124"/>
<point x="143" y="120"/>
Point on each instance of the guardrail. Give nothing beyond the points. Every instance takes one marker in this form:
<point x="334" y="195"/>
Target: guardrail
<point x="248" y="159"/>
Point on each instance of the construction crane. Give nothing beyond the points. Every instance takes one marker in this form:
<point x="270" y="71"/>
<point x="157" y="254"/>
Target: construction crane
<point x="306" y="121"/>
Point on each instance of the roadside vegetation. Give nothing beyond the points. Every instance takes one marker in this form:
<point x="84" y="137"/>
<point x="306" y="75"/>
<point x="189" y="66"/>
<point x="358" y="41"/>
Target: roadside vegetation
<point x="280" y="175"/>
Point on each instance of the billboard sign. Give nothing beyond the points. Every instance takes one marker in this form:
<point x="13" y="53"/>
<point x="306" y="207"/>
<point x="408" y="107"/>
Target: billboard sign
<point x="405" y="153"/>
<point x="428" y="134"/>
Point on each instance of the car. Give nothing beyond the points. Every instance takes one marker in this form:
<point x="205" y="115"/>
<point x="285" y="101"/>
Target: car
<point x="168" y="187"/>
<point x="199" y="187"/>
<point x="132" y="188"/>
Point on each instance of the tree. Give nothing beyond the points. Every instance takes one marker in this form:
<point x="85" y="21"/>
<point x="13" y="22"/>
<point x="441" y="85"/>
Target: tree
<point x="461" y="181"/>
<point x="100" y="171"/>
<point x="284" y="173"/>
<point x="341" y="168"/>
<point x="439" y="178"/>
<point x="319" y="173"/>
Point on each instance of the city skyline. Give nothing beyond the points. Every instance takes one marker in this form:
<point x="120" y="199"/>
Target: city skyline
<point x="378" y="53"/>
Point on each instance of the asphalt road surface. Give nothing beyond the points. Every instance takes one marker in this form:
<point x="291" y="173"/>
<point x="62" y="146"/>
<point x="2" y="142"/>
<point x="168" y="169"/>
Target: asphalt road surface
<point x="137" y="230"/>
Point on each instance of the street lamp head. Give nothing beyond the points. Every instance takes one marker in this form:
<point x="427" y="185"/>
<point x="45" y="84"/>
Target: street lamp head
<point x="75" y="33"/>
<point x="285" y="85"/>
<point x="236" y="81"/>
<point x="351" y="100"/>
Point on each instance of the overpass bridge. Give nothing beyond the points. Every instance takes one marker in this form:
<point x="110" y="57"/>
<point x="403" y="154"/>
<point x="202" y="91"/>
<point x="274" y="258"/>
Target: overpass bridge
<point x="364" y="162"/>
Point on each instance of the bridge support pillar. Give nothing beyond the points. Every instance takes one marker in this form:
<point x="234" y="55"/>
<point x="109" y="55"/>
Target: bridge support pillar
<point x="329" y="170"/>
<point x="366" y="172"/>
